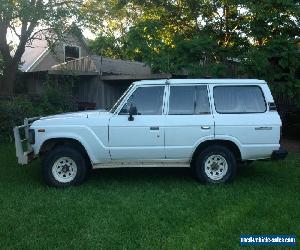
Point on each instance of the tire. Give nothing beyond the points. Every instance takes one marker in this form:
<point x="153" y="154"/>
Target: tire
<point x="64" y="166"/>
<point x="215" y="164"/>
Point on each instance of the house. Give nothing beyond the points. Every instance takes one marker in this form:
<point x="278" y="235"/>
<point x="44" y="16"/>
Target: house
<point x="38" y="56"/>
<point x="100" y="80"/>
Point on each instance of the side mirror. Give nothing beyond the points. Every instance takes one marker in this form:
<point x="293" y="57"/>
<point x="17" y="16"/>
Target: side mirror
<point x="132" y="112"/>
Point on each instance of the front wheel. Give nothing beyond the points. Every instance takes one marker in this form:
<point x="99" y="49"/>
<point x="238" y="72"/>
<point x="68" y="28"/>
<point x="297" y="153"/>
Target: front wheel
<point x="216" y="164"/>
<point x="64" y="166"/>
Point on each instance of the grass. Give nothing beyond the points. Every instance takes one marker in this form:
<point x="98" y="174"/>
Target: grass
<point x="146" y="208"/>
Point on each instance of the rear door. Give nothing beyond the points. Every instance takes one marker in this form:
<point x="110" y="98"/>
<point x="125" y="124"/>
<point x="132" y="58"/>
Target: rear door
<point x="241" y="113"/>
<point x="188" y="121"/>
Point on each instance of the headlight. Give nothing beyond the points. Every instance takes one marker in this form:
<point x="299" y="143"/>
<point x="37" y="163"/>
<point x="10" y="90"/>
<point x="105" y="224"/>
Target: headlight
<point x="31" y="136"/>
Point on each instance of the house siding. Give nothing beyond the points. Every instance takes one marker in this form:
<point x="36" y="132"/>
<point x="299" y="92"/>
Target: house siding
<point x="102" y="93"/>
<point x="56" y="56"/>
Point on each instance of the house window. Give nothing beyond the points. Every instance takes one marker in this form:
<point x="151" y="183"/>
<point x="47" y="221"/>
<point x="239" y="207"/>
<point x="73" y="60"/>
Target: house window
<point x="71" y="53"/>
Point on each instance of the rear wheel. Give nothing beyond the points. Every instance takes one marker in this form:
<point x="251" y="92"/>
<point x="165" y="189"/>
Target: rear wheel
<point x="216" y="164"/>
<point x="64" y="166"/>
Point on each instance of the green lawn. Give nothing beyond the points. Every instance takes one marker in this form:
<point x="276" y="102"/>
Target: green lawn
<point x="146" y="208"/>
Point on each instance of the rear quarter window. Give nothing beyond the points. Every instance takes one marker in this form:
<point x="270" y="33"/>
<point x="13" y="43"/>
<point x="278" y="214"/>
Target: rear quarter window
<point x="239" y="99"/>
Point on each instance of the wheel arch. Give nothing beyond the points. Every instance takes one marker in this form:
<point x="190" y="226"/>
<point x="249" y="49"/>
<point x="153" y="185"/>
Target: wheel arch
<point x="226" y="143"/>
<point x="51" y="143"/>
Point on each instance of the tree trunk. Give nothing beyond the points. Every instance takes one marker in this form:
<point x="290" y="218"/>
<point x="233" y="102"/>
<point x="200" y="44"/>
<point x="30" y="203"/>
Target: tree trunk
<point x="226" y="16"/>
<point x="8" y="78"/>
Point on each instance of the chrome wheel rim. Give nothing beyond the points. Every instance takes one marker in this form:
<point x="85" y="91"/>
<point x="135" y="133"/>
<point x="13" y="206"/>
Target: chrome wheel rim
<point x="216" y="167"/>
<point x="64" y="169"/>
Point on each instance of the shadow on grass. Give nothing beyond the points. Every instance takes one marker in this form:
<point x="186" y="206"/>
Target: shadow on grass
<point x="170" y="174"/>
<point x="258" y="173"/>
<point x="142" y="174"/>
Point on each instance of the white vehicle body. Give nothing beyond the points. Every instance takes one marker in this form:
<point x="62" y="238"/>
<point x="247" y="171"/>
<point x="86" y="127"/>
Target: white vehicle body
<point x="111" y="140"/>
<point x="239" y="114"/>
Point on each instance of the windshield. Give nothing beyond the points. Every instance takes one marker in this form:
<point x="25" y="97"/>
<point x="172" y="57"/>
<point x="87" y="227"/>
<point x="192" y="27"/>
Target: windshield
<point x="116" y="105"/>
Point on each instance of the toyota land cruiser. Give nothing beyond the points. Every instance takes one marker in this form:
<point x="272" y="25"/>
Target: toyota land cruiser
<point x="209" y="125"/>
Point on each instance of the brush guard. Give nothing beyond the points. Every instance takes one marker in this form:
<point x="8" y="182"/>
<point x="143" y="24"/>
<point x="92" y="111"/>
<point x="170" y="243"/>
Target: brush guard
<point x="24" y="150"/>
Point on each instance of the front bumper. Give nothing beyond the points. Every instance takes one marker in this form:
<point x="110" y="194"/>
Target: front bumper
<point x="279" y="154"/>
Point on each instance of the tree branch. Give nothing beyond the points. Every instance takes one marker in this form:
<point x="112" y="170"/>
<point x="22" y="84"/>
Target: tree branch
<point x="14" y="30"/>
<point x="33" y="35"/>
<point x="26" y="31"/>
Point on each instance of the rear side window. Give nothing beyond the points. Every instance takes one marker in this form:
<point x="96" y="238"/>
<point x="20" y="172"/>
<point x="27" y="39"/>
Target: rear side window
<point x="188" y="100"/>
<point x="239" y="99"/>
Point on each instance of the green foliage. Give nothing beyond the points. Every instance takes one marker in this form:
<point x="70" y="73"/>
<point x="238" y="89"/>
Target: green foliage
<point x="55" y="101"/>
<point x="107" y="46"/>
<point x="15" y="109"/>
<point x="276" y="61"/>
<point x="13" y="112"/>
<point x="217" y="38"/>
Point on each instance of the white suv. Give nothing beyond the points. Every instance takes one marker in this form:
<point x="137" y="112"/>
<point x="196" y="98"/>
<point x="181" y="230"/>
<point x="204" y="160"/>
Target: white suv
<point x="207" y="124"/>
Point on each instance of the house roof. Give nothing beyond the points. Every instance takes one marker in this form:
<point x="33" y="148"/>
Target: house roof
<point x="107" y="69"/>
<point x="38" y="48"/>
<point x="33" y="53"/>
<point x="99" y="65"/>
<point x="105" y="65"/>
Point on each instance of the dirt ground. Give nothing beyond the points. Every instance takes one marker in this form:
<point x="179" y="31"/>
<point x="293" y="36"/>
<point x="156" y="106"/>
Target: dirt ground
<point x="291" y="144"/>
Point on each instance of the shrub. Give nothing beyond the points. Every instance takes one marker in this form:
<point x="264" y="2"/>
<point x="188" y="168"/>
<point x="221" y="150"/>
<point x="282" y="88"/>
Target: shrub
<point x="55" y="101"/>
<point x="14" y="110"/>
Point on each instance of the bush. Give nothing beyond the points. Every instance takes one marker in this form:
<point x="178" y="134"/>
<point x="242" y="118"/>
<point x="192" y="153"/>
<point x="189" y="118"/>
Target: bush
<point x="55" y="101"/>
<point x="14" y="110"/>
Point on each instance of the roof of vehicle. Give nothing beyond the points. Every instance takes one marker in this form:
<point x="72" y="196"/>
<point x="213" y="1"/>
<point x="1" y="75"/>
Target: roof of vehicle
<point x="202" y="81"/>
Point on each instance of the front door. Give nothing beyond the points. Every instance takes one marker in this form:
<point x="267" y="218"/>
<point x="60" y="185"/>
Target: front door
<point x="143" y="137"/>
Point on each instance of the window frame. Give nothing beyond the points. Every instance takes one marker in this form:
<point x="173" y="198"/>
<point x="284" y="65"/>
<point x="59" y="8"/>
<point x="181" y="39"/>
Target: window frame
<point x="130" y="93"/>
<point x="195" y="96"/>
<point x="71" y="45"/>
<point x="116" y="105"/>
<point x="240" y="86"/>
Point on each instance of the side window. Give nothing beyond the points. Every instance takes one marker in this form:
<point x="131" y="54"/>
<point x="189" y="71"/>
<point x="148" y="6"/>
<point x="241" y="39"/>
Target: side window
<point x="202" y="102"/>
<point x="188" y="100"/>
<point x="147" y="100"/>
<point x="239" y="99"/>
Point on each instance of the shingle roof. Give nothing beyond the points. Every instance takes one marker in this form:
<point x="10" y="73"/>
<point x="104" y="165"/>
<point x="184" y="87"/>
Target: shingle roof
<point x="104" y="66"/>
<point x="32" y="53"/>
<point x="117" y="66"/>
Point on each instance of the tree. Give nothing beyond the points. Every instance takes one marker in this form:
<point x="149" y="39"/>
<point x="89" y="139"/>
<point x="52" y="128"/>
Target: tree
<point x="110" y="20"/>
<point x="218" y="38"/>
<point x="25" y="19"/>
<point x="274" y="53"/>
<point x="108" y="46"/>
<point x="171" y="35"/>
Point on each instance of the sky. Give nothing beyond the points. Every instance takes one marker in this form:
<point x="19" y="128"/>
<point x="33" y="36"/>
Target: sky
<point x="14" y="40"/>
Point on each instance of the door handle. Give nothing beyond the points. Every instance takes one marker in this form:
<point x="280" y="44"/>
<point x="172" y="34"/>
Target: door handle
<point x="205" y="127"/>
<point x="154" y="128"/>
<point x="263" y="128"/>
